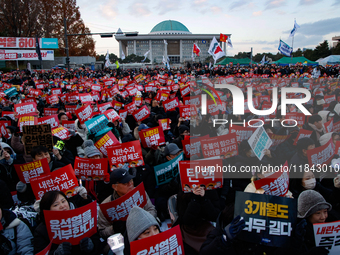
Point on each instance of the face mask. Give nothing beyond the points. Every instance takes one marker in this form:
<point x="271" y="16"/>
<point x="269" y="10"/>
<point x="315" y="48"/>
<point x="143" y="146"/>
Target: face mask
<point x="252" y="154"/>
<point x="310" y="184"/>
<point x="10" y="136"/>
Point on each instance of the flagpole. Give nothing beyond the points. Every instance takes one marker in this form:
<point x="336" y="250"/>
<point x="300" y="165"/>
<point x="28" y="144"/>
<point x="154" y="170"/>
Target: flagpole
<point x="291" y="57"/>
<point x="251" y="57"/>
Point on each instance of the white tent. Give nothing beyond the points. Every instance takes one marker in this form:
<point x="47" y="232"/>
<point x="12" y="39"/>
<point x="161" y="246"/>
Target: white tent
<point x="330" y="60"/>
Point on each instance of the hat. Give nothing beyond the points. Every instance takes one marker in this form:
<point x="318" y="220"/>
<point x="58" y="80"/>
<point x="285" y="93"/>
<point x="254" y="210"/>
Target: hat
<point x="142" y="126"/>
<point x="138" y="221"/>
<point x="182" y="128"/>
<point x="90" y="150"/>
<point x="120" y="175"/>
<point x="311" y="201"/>
<point x="172" y="149"/>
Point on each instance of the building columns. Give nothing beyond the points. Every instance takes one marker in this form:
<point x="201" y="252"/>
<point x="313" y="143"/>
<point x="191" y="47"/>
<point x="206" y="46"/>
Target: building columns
<point x="180" y="51"/>
<point x="150" y="54"/>
<point x="134" y="47"/>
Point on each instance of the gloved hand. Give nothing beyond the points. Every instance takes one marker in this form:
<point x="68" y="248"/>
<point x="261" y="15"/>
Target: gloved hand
<point x="21" y="187"/>
<point x="300" y="230"/>
<point x="317" y="251"/>
<point x="86" y="245"/>
<point x="64" y="249"/>
<point x="82" y="192"/>
<point x="234" y="227"/>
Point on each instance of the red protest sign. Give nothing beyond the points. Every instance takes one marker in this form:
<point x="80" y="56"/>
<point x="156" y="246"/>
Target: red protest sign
<point x="141" y="114"/>
<point x="106" y="141"/>
<point x="29" y="109"/>
<point x="61" y="133"/>
<point x="321" y="155"/>
<point x="6" y="123"/>
<point x="131" y="107"/>
<point x="27" y="121"/>
<point x="71" y="225"/>
<point x="299" y="117"/>
<point x="242" y="133"/>
<point x="275" y="184"/>
<point x="206" y="173"/>
<point x="71" y="108"/>
<point x="170" y="105"/>
<point x="56" y="91"/>
<point x="103" y="107"/>
<point x="138" y="101"/>
<point x="170" y="241"/>
<point x="52" y="99"/>
<point x="85" y="98"/>
<point x="32" y="169"/>
<point x="277" y="139"/>
<point x="84" y="113"/>
<point x="329" y="126"/>
<point x="329" y="99"/>
<point x="130" y="152"/>
<point x="50" y="111"/>
<point x="185" y="91"/>
<point x="192" y="146"/>
<point x="62" y="179"/>
<point x="337" y="148"/>
<point x="119" y="209"/>
<point x="164" y="124"/>
<point x="152" y="137"/>
<point x="9" y="114"/>
<point x="69" y="124"/>
<point x="96" y="87"/>
<point x="90" y="169"/>
<point x="111" y="115"/>
<point x="35" y="92"/>
<point x="162" y="96"/>
<point x="3" y="130"/>
<point x="52" y="120"/>
<point x="184" y="111"/>
<point x="117" y="105"/>
<point x="123" y="113"/>
<point x="224" y="145"/>
<point x="302" y="133"/>
<point x="46" y="251"/>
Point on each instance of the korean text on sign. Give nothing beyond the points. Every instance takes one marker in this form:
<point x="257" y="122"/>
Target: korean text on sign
<point x="327" y="235"/>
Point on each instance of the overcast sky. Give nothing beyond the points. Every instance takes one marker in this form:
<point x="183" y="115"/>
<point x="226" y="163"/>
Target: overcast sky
<point x="259" y="24"/>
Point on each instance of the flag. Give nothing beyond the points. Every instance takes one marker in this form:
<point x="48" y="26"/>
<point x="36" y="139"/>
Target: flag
<point x="229" y="42"/>
<point x="263" y="61"/>
<point x="168" y="63"/>
<point x="196" y="50"/>
<point x="296" y="26"/>
<point x="165" y="42"/>
<point x="285" y="49"/>
<point x="215" y="50"/>
<point x="223" y="38"/>
<point x="107" y="62"/>
<point x="117" y="64"/>
<point x="37" y="47"/>
<point x="163" y="61"/>
<point x="145" y="55"/>
<point x="123" y="55"/>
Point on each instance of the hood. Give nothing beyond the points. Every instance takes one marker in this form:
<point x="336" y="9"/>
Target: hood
<point x="5" y="145"/>
<point x="9" y="219"/>
<point x="325" y="138"/>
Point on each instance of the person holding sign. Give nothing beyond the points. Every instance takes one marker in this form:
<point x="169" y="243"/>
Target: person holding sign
<point x="122" y="183"/>
<point x="57" y="201"/>
<point x="315" y="124"/>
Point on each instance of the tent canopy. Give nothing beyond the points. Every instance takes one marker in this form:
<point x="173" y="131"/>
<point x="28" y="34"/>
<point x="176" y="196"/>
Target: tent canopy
<point x="330" y="60"/>
<point x="241" y="61"/>
<point x="287" y="60"/>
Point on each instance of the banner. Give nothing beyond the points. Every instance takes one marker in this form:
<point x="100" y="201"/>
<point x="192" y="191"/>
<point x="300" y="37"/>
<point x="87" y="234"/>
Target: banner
<point x="141" y="114"/>
<point x="62" y="179"/>
<point x="152" y="137"/>
<point x="321" y="155"/>
<point x="32" y="169"/>
<point x="97" y="124"/>
<point x="276" y="184"/>
<point x="28" y="42"/>
<point x="168" y="242"/>
<point x="90" y="169"/>
<point x="167" y="171"/>
<point x="285" y="49"/>
<point x="106" y="141"/>
<point x="269" y="219"/>
<point x="129" y="152"/>
<point x="25" y="55"/>
<point x="170" y="105"/>
<point x="224" y="145"/>
<point x="61" y="133"/>
<point x="302" y="133"/>
<point x="71" y="225"/>
<point x="52" y="120"/>
<point x="259" y="141"/>
<point x="36" y="135"/>
<point x="84" y="113"/>
<point x="119" y="209"/>
<point x="327" y="236"/>
<point x="28" y="109"/>
<point x="204" y="173"/>
<point x="242" y="133"/>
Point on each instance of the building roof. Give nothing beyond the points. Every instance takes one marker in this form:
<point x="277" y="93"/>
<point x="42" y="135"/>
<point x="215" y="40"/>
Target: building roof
<point x="170" y="27"/>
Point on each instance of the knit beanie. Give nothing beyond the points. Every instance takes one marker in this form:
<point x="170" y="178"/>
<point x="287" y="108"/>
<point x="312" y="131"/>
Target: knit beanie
<point x="138" y="221"/>
<point x="311" y="201"/>
<point x="89" y="149"/>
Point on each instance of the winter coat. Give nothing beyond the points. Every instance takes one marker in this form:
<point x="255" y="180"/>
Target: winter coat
<point x="18" y="234"/>
<point x="106" y="228"/>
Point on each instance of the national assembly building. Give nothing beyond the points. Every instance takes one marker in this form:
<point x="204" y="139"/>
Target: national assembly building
<point x="168" y="38"/>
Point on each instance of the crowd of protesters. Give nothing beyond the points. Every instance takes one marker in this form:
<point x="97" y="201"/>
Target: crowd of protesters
<point x="318" y="197"/>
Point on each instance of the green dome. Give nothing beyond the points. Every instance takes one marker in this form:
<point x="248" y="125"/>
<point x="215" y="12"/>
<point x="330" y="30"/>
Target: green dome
<point x="170" y="27"/>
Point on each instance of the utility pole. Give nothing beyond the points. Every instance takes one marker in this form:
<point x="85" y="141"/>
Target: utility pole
<point x="66" y="46"/>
